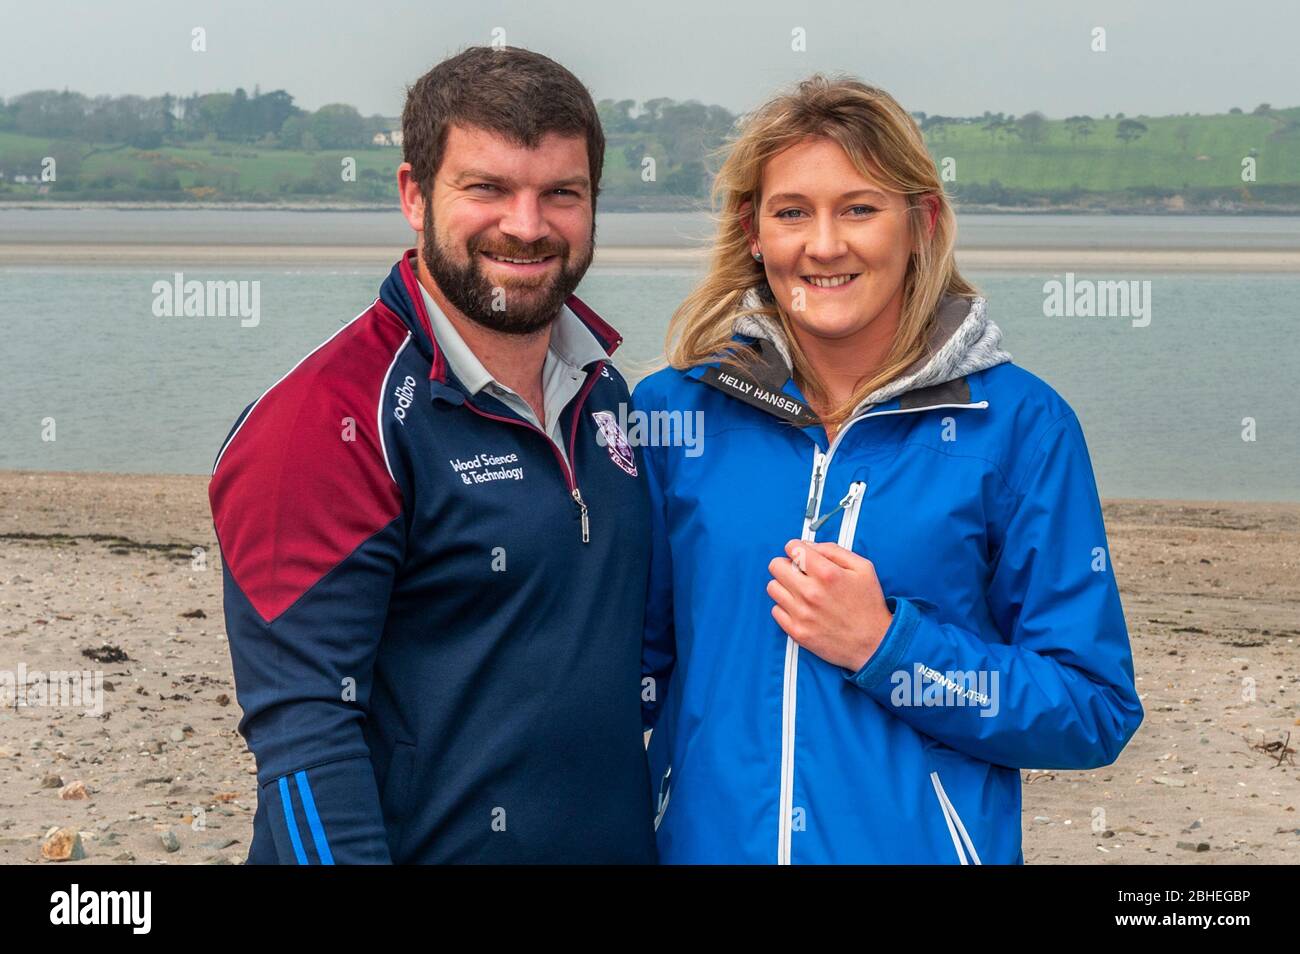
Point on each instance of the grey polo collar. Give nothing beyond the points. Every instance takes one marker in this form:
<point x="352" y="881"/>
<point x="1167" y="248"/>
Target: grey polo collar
<point x="571" y="343"/>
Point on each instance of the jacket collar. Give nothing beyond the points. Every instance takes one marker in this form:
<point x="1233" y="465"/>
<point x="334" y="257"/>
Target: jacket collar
<point x="962" y="340"/>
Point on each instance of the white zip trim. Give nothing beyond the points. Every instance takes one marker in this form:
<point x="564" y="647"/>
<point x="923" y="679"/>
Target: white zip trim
<point x="849" y="522"/>
<point x="814" y="494"/>
<point x="790" y="680"/>
<point x="788" y="701"/>
<point x="951" y="817"/>
<point x="952" y="832"/>
<point x="912" y="410"/>
<point x="379" y="414"/>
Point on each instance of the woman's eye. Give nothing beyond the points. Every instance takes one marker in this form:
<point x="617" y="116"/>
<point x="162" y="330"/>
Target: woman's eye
<point x="785" y="213"/>
<point x="861" y="210"/>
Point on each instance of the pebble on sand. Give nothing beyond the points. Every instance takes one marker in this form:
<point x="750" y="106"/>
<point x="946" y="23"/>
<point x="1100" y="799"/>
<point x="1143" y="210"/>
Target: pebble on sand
<point x="75" y="790"/>
<point x="63" y="844"/>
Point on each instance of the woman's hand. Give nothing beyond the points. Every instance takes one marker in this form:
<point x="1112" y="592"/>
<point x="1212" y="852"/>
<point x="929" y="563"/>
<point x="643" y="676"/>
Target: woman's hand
<point x="829" y="601"/>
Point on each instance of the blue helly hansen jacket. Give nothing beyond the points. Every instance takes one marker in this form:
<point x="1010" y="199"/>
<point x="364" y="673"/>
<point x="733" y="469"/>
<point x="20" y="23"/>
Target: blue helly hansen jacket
<point x="968" y="485"/>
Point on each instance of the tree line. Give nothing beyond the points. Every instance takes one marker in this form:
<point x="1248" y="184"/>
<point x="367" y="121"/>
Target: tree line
<point x="146" y="122"/>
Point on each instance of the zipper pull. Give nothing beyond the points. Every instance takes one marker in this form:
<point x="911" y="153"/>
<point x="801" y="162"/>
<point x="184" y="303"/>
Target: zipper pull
<point x="854" y="490"/>
<point x="814" y="495"/>
<point x="586" y="528"/>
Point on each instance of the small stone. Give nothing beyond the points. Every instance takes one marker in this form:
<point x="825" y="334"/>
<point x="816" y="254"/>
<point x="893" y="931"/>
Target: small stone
<point x="177" y="735"/>
<point x="52" y="781"/>
<point x="169" y="840"/>
<point x="1167" y="780"/>
<point x="74" y="791"/>
<point x="63" y="844"/>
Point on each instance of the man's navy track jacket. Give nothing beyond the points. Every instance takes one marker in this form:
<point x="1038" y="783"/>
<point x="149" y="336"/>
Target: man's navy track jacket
<point x="434" y="666"/>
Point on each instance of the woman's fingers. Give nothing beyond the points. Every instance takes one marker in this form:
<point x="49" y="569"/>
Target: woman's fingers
<point x="780" y="594"/>
<point x="783" y="620"/>
<point x="841" y="557"/>
<point x="808" y="558"/>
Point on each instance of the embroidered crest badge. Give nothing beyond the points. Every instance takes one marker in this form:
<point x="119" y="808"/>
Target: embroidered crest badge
<point x="620" y="451"/>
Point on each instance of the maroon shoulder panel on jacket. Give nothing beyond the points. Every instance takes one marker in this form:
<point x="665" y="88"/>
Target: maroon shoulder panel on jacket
<point x="304" y="480"/>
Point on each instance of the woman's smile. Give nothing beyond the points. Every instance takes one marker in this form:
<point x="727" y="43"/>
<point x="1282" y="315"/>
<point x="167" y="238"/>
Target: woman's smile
<point x="830" y="282"/>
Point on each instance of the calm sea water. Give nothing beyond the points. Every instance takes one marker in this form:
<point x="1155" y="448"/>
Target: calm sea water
<point x="254" y="227"/>
<point x="1162" y="406"/>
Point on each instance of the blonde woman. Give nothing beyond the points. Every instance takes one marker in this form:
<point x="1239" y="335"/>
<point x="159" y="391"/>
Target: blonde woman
<point x="882" y="585"/>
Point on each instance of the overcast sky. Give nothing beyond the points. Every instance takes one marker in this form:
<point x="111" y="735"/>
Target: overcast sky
<point x="950" y="57"/>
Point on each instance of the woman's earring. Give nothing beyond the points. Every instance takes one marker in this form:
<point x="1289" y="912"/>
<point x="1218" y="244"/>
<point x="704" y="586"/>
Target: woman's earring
<point x="758" y="256"/>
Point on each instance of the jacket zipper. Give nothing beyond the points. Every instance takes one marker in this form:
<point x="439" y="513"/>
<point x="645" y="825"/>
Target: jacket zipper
<point x="790" y="679"/>
<point x="789" y="698"/>
<point x="570" y="476"/>
<point x="851" y="504"/>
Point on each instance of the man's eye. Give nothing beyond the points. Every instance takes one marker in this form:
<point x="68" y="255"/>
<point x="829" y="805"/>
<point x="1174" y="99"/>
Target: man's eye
<point x="563" y="192"/>
<point x="785" y="213"/>
<point x="863" y="209"/>
<point x="483" y="185"/>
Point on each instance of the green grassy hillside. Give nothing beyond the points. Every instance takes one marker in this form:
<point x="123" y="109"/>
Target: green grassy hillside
<point x="1046" y="162"/>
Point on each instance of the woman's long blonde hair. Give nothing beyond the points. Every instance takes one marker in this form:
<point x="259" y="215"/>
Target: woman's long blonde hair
<point x="884" y="143"/>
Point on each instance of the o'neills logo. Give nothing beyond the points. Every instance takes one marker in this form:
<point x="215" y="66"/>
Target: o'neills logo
<point x="620" y="451"/>
<point x="405" y="394"/>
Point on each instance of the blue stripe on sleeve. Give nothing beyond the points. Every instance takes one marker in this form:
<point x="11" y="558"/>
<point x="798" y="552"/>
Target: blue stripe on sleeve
<point x="313" y="819"/>
<point x="289" y="820"/>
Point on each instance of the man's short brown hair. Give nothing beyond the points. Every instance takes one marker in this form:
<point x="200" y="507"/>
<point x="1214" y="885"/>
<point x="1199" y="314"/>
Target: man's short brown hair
<point x="511" y="91"/>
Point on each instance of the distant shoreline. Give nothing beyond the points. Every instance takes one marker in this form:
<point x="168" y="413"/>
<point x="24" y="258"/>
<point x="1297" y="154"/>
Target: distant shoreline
<point x="612" y="204"/>
<point x="77" y="502"/>
<point x="1016" y="259"/>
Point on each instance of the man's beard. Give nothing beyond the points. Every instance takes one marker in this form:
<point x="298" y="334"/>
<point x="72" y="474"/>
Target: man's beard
<point x="513" y="307"/>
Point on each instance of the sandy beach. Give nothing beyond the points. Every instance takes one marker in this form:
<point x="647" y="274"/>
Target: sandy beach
<point x="100" y="562"/>
<point x="990" y="259"/>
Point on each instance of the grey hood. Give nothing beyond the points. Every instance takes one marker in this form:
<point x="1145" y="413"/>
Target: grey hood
<point x="963" y="340"/>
